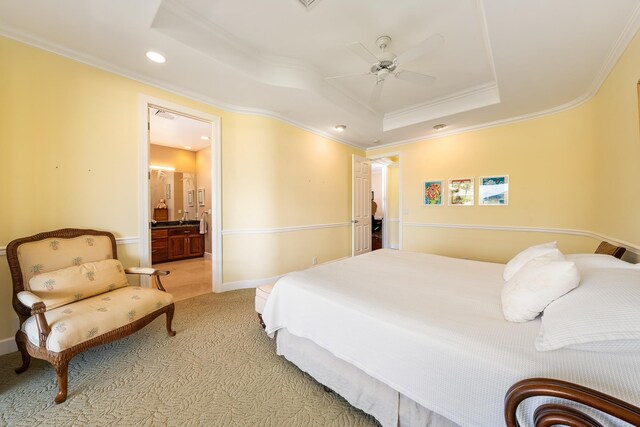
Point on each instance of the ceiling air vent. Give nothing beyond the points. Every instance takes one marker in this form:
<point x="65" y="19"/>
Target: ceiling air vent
<point x="165" y="114"/>
<point x="308" y="4"/>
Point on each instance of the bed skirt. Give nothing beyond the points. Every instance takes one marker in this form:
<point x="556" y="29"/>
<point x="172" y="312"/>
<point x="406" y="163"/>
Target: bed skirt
<point x="385" y="404"/>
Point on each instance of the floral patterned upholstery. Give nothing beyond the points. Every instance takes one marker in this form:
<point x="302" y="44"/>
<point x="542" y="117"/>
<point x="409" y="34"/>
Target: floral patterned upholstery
<point x="75" y="323"/>
<point x="53" y="254"/>
<point x="60" y="287"/>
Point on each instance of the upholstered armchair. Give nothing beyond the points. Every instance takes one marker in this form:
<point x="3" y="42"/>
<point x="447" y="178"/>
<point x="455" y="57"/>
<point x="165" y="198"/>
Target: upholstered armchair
<point x="71" y="293"/>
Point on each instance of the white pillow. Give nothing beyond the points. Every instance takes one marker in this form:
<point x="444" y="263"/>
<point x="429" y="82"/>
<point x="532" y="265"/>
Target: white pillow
<point x="538" y="283"/>
<point x="518" y="261"/>
<point x="603" y="314"/>
<point x="585" y="261"/>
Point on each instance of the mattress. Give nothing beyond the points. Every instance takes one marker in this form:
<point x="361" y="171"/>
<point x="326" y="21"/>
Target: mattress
<point x="431" y="328"/>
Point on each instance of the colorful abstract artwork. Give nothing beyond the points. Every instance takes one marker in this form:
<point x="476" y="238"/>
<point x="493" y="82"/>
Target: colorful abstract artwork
<point x="493" y="190"/>
<point x="433" y="193"/>
<point x="461" y="192"/>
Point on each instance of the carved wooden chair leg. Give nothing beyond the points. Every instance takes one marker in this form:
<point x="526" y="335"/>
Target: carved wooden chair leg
<point x="170" y="310"/>
<point x="261" y="321"/>
<point x="62" y="372"/>
<point x="26" y="358"/>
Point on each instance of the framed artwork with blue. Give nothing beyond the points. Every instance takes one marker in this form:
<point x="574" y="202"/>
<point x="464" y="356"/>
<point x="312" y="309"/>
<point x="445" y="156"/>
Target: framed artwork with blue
<point x="494" y="190"/>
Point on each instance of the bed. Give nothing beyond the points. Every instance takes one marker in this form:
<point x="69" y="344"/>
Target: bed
<point x="420" y="339"/>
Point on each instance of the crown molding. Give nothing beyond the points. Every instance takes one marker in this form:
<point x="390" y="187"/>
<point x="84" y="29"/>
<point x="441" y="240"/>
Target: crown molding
<point x="92" y="61"/>
<point x="618" y="48"/>
<point x="476" y="97"/>
<point x="616" y="52"/>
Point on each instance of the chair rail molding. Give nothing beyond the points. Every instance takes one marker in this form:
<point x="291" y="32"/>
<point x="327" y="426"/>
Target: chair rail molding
<point x="630" y="246"/>
<point x="272" y="230"/>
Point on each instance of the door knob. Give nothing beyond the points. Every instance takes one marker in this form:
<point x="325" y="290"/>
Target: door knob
<point x="355" y="221"/>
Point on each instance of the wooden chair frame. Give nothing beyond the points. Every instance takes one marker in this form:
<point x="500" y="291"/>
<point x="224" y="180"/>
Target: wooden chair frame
<point x="548" y="415"/>
<point x="60" y="360"/>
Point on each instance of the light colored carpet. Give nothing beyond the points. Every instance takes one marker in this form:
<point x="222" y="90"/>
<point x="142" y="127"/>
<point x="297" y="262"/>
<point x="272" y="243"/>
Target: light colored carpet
<point x="220" y="370"/>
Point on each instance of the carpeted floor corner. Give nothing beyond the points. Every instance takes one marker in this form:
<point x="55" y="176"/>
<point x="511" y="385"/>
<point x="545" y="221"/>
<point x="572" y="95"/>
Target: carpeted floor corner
<point x="219" y="370"/>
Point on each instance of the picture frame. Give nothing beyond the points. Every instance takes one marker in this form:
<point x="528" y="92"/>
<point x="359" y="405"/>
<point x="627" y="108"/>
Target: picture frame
<point x="167" y="191"/>
<point x="200" y="196"/>
<point x="433" y="193"/>
<point x="461" y="192"/>
<point x="493" y="190"/>
<point x="190" y="198"/>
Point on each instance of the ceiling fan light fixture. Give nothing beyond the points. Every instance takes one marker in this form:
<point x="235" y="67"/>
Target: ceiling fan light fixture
<point x="440" y="126"/>
<point x="156" y="57"/>
<point x="340" y="128"/>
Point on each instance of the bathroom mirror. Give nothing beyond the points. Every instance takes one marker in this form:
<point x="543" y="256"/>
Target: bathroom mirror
<point x="173" y="196"/>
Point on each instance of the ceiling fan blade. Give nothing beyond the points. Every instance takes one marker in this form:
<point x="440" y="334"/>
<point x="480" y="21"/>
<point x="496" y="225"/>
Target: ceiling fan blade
<point x="347" y="75"/>
<point x="430" y="43"/>
<point x="413" y="77"/>
<point x="364" y="53"/>
<point x="377" y="92"/>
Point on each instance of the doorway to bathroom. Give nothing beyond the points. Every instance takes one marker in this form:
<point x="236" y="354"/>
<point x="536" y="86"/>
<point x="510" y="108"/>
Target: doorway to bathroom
<point x="182" y="199"/>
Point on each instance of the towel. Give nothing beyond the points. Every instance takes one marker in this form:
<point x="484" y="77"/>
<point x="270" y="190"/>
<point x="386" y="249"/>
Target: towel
<point x="203" y="225"/>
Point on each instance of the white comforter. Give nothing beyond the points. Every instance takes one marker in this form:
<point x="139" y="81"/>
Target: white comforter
<point x="431" y="327"/>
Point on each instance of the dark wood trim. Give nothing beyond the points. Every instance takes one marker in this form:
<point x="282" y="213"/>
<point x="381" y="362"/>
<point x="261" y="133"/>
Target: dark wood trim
<point x="609" y="249"/>
<point x="60" y="360"/>
<point x="551" y="414"/>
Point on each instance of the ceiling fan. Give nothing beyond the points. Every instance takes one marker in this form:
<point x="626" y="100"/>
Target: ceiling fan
<point x="387" y="63"/>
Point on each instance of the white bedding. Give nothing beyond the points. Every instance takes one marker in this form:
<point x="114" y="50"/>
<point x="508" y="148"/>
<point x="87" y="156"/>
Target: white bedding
<point x="432" y="328"/>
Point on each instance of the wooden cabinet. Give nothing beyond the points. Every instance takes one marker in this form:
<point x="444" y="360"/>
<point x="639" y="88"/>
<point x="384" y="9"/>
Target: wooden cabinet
<point x="170" y="244"/>
<point x="159" y="246"/>
<point x="185" y="242"/>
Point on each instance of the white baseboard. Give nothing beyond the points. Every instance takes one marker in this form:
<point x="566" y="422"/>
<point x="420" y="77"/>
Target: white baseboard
<point x="8" y="345"/>
<point x="208" y="256"/>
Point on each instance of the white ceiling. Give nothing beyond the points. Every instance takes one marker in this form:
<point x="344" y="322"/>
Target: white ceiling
<point x="501" y="59"/>
<point x="173" y="130"/>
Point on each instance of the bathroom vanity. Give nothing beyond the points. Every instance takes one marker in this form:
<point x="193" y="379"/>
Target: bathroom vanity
<point x="174" y="240"/>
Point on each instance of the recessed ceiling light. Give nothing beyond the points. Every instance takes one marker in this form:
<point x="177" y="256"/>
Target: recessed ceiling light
<point x="440" y="126"/>
<point x="206" y="138"/>
<point x="156" y="57"/>
<point x="188" y="147"/>
<point x="340" y="128"/>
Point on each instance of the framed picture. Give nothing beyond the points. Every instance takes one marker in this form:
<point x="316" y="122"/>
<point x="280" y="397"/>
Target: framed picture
<point x="461" y="192"/>
<point x="433" y="193"/>
<point x="167" y="191"/>
<point x="493" y="190"/>
<point x="200" y="196"/>
<point x="190" y="197"/>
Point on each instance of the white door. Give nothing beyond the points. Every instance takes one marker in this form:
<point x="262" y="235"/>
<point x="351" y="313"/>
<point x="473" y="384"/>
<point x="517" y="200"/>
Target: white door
<point x="361" y="205"/>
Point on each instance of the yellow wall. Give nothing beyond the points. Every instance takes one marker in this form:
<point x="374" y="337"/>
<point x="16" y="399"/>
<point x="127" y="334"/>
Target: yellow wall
<point x="618" y="152"/>
<point x="69" y="143"/>
<point x="574" y="170"/>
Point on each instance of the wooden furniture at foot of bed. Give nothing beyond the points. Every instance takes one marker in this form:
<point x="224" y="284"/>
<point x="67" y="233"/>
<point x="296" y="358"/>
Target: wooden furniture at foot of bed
<point x="558" y="414"/>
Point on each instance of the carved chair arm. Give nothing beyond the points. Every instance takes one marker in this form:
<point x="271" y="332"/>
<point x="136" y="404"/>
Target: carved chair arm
<point x="148" y="271"/>
<point x="38" y="308"/>
<point x="29" y="299"/>
<point x="552" y="414"/>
